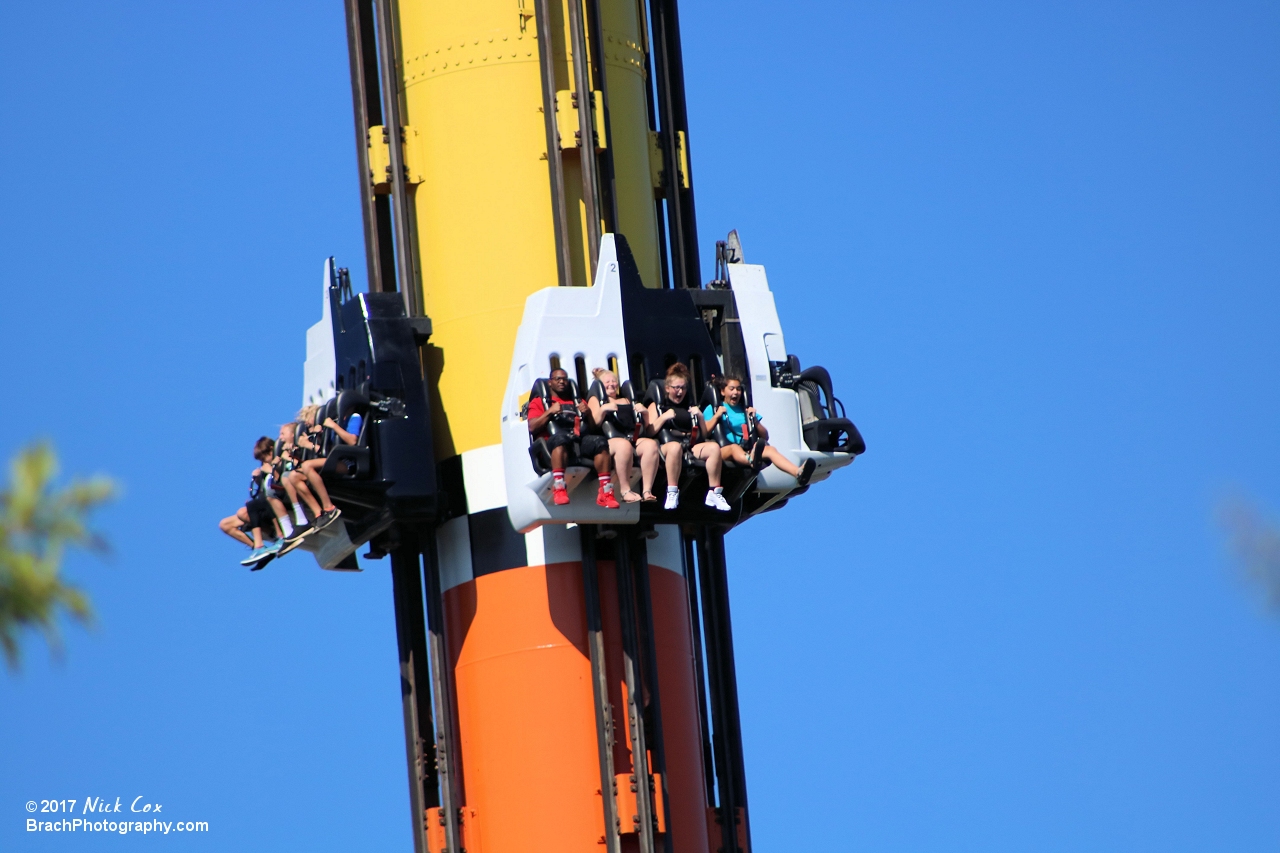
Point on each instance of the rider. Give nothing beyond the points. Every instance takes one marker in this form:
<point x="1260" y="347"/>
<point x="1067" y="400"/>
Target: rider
<point x="309" y="469"/>
<point x="625" y="420"/>
<point x="748" y="437"/>
<point x="685" y="430"/>
<point x="256" y="514"/>
<point x="566" y="411"/>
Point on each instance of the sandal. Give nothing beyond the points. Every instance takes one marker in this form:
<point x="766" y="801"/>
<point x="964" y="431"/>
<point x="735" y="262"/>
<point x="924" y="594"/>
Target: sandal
<point x="630" y="497"/>
<point x="648" y="497"/>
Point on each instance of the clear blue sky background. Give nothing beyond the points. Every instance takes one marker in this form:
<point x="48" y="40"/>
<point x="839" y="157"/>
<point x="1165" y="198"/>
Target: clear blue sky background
<point x="1036" y="244"/>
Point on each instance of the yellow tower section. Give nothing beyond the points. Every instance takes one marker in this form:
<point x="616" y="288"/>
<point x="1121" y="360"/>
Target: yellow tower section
<point x="476" y="148"/>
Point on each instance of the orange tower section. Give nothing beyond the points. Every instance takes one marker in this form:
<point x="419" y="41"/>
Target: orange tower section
<point x="530" y="769"/>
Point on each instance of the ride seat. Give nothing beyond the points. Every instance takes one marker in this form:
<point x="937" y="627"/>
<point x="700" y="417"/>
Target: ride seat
<point x="655" y="394"/>
<point x="350" y="461"/>
<point x="711" y="397"/>
<point x="539" y="451"/>
<point x="620" y="424"/>
<point x="822" y="419"/>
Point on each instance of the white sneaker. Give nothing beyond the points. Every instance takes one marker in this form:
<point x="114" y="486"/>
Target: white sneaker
<point x="717" y="501"/>
<point x="673" y="500"/>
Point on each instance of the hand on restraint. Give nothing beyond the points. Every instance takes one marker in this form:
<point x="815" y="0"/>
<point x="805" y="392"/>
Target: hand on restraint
<point x="330" y="423"/>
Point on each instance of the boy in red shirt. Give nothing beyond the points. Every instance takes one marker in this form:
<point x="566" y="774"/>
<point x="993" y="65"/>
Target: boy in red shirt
<point x="567" y="415"/>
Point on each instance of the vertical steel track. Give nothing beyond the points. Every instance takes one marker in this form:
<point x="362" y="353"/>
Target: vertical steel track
<point x="699" y="674"/>
<point x="555" y="160"/>
<point x="446" y="740"/>
<point x="649" y="659"/>
<point x="393" y="112"/>
<point x="608" y="192"/>
<point x="633" y="678"/>
<point x="366" y="101"/>
<point x="668" y="67"/>
<point x="722" y="683"/>
<point x="600" y="689"/>
<point x="586" y="134"/>
<point x="424" y="788"/>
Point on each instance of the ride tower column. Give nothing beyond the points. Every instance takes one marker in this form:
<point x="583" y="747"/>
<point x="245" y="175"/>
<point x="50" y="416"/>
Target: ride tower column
<point x="525" y="131"/>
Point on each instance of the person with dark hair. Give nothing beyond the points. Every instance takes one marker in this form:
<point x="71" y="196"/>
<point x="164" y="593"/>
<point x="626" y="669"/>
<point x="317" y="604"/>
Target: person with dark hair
<point x="568" y="413"/>
<point x="679" y="426"/>
<point x="256" y="514"/>
<point x="749" y="440"/>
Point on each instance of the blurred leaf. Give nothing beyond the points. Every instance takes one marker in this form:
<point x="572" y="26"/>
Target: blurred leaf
<point x="37" y="523"/>
<point x="1255" y="542"/>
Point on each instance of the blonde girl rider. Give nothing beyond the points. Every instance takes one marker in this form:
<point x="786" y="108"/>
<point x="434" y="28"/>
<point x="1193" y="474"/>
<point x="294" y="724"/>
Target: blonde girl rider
<point x="310" y="469"/>
<point x="686" y="430"/>
<point x="621" y="449"/>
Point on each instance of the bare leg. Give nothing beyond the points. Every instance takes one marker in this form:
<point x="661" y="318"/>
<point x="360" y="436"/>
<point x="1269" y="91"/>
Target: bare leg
<point x="623" y="453"/>
<point x="783" y="464"/>
<point x="278" y="507"/>
<point x="290" y="484"/>
<point x="311" y="470"/>
<point x="673" y="457"/>
<point x="557" y="457"/>
<point x="735" y="453"/>
<point x="710" y="451"/>
<point x="647" y="450"/>
<point x="300" y="487"/>
<point x="601" y="461"/>
<point x="231" y="526"/>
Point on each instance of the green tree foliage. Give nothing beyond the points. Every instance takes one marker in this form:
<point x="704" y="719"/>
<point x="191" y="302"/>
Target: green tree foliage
<point x="38" y="521"/>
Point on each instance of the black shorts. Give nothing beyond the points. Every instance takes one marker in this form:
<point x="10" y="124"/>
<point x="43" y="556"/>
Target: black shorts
<point x="260" y="514"/>
<point x="587" y="446"/>
<point x="590" y="445"/>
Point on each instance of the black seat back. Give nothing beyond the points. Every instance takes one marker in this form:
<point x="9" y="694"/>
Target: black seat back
<point x="539" y="451"/>
<point x="619" y="424"/>
<point x="563" y="421"/>
<point x="656" y="394"/>
<point x="353" y="402"/>
<point x="711" y="398"/>
<point x="822" y="418"/>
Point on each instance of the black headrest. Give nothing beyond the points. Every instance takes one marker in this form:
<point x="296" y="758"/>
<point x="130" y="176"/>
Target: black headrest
<point x="626" y="390"/>
<point x="710" y="396"/>
<point x="654" y="393"/>
<point x="542" y="388"/>
<point x="350" y="402"/>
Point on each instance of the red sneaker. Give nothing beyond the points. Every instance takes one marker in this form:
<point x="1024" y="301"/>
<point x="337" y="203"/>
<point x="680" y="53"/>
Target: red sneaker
<point x="560" y="495"/>
<point x="606" y="500"/>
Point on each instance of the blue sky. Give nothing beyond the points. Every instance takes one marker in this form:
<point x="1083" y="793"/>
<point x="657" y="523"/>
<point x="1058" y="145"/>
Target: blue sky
<point x="1035" y="244"/>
